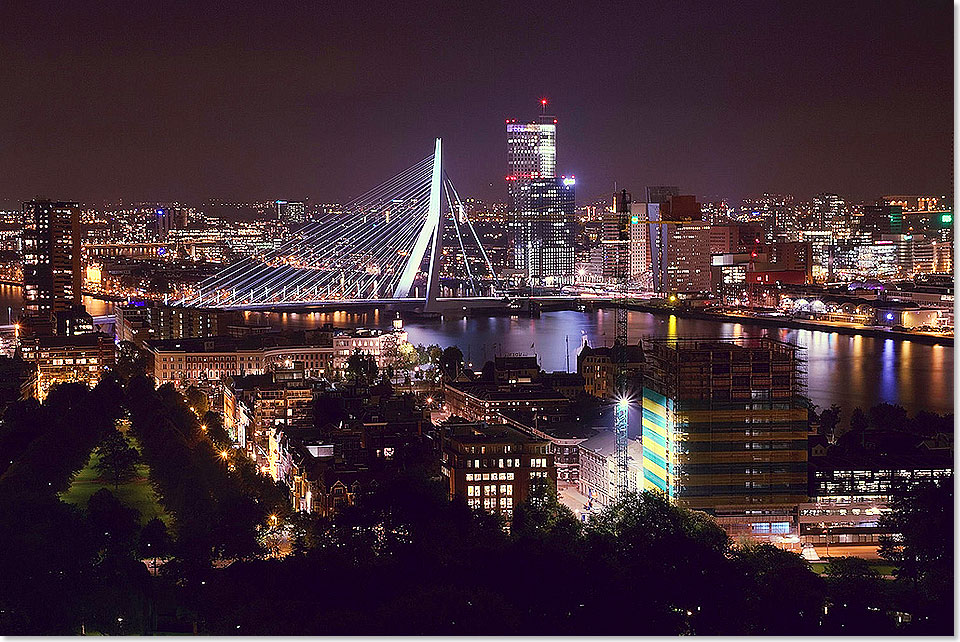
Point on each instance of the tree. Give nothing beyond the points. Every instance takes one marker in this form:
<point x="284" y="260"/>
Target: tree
<point x="215" y="430"/>
<point x="829" y="420"/>
<point x="885" y="416"/>
<point x="154" y="540"/>
<point x="858" y="598"/>
<point x="858" y="420"/>
<point x="922" y="550"/>
<point x="197" y="400"/>
<point x="451" y="362"/>
<point x="131" y="361"/>
<point x="114" y="525"/>
<point x="361" y="368"/>
<point x="777" y="592"/>
<point x="118" y="459"/>
<point x="383" y="387"/>
<point x="488" y="372"/>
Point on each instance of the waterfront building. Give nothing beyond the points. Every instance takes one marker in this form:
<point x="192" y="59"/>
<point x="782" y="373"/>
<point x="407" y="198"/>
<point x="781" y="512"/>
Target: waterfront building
<point x="679" y="255"/>
<point x="659" y="194"/>
<point x="516" y="369"/>
<point x="140" y="321"/>
<point x="494" y="466"/>
<point x="616" y="237"/>
<point x="382" y="345"/>
<point x="186" y="362"/>
<point x="724" y="429"/>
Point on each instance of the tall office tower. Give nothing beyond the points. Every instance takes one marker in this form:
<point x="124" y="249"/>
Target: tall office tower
<point x="679" y="253"/>
<point x="826" y="209"/>
<point x="661" y="193"/>
<point x="616" y="250"/>
<point x="541" y="204"/>
<point x="881" y="219"/>
<point x="167" y="218"/>
<point x="291" y="211"/>
<point x="51" y="257"/>
<point x="725" y="429"/>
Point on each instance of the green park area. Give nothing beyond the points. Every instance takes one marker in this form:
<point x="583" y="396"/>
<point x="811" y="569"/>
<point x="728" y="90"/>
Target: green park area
<point x="136" y="493"/>
<point x="883" y="567"/>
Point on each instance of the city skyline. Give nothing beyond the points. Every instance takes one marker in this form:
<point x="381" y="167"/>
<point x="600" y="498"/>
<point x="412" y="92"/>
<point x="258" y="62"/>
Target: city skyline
<point x="304" y="108"/>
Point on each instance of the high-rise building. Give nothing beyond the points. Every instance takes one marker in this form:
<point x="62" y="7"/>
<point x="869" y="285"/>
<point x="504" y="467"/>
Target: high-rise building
<point x="616" y="248"/>
<point x="881" y="219"/>
<point x="541" y="204"/>
<point x="291" y="211"/>
<point x="661" y="193"/>
<point x="826" y="209"/>
<point x="725" y="429"/>
<point x="679" y="253"/>
<point x="51" y="258"/>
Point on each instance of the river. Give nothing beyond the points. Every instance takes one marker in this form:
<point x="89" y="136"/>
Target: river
<point x="847" y="370"/>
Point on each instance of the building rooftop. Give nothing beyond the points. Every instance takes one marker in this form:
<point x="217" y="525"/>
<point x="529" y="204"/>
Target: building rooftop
<point x="568" y="429"/>
<point x="510" y="392"/>
<point x="482" y="432"/>
<point x="87" y="339"/>
<point x="871" y="461"/>
<point x="634" y="353"/>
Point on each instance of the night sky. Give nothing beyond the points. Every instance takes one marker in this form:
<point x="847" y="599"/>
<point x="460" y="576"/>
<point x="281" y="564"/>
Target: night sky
<point x="258" y="100"/>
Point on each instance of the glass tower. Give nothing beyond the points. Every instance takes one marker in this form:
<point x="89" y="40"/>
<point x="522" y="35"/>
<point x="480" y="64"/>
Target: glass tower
<point x="541" y="204"/>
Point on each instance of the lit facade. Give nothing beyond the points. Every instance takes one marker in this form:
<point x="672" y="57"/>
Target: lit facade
<point x="83" y="358"/>
<point x="51" y="257"/>
<point x="494" y="466"/>
<point x="724" y="429"/>
<point x="541" y="204"/>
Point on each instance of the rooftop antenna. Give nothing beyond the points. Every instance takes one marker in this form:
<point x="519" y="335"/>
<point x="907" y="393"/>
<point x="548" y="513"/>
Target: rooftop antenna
<point x="543" y="106"/>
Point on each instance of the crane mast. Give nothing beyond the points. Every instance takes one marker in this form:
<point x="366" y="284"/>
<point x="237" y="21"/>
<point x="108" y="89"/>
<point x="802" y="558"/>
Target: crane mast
<point x="621" y="207"/>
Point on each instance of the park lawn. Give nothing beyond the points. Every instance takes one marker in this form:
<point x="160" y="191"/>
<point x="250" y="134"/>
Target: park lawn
<point x="137" y="493"/>
<point x="880" y="566"/>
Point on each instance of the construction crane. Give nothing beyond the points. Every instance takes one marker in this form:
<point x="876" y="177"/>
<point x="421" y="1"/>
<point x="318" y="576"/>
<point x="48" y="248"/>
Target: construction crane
<point x="621" y="210"/>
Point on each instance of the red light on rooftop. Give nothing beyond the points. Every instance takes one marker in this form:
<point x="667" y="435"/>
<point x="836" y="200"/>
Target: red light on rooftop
<point x="543" y="101"/>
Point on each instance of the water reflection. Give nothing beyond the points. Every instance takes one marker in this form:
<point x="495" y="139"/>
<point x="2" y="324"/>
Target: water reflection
<point x="843" y="369"/>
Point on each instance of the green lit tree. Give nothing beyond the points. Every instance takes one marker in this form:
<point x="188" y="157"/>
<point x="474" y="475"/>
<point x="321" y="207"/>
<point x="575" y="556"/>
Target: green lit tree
<point x="117" y="459"/>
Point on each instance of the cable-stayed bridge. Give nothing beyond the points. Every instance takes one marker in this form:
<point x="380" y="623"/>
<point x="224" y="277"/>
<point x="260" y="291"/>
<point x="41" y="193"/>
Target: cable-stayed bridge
<point x="385" y="246"/>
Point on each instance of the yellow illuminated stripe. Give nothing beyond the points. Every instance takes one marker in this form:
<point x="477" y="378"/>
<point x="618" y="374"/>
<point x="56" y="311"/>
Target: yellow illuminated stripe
<point x="660" y="430"/>
<point x="655" y="448"/>
<point x="655" y="407"/>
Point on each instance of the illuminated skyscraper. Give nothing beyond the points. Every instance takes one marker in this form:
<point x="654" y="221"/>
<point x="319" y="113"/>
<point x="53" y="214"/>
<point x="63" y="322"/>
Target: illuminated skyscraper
<point x="51" y="257"/>
<point x="541" y="204"/>
<point x="827" y="208"/>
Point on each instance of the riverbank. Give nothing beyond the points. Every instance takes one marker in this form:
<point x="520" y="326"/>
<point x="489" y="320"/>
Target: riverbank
<point x="796" y="324"/>
<point x="93" y="295"/>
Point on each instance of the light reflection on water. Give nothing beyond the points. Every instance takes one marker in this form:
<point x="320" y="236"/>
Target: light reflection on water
<point x="848" y="370"/>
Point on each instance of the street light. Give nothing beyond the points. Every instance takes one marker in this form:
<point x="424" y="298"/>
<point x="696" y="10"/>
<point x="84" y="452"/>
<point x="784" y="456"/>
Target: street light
<point x="224" y="454"/>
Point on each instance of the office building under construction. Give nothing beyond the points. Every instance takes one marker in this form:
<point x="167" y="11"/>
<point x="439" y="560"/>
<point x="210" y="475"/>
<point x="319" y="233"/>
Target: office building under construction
<point x="725" y="429"/>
